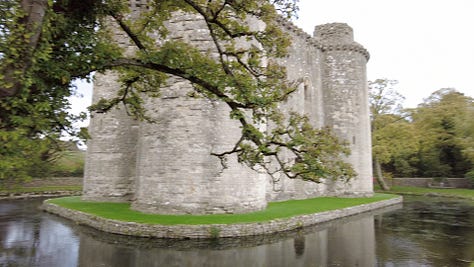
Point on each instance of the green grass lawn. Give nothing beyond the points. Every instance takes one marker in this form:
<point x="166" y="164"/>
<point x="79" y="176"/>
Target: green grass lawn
<point x="275" y="210"/>
<point x="452" y="192"/>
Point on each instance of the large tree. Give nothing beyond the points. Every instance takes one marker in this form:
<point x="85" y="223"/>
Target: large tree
<point x="45" y="45"/>
<point x="445" y="119"/>
<point x="394" y="139"/>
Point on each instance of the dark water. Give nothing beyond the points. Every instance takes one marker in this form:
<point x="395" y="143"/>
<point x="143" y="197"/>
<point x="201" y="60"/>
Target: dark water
<point x="425" y="232"/>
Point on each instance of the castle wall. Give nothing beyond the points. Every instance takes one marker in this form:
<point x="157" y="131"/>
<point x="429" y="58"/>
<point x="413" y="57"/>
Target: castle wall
<point x="110" y="169"/>
<point x="176" y="173"/>
<point x="302" y="63"/>
<point x="109" y="173"/>
<point x="167" y="167"/>
<point x="333" y="93"/>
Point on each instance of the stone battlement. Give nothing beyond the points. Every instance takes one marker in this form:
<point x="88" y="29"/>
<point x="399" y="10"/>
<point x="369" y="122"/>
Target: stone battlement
<point x="327" y="37"/>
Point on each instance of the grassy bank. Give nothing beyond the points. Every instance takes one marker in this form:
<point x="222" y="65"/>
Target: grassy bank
<point x="451" y="192"/>
<point x="43" y="185"/>
<point x="275" y="210"/>
<point x="69" y="163"/>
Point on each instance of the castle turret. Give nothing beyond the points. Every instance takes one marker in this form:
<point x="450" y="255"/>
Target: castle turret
<point x="176" y="171"/>
<point x="110" y="160"/>
<point x="345" y="99"/>
<point x="111" y="152"/>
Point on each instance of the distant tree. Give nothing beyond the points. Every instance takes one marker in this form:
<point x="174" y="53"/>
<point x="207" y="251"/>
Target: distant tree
<point x="45" y="45"/>
<point x="394" y="139"/>
<point x="395" y="144"/>
<point x="445" y="119"/>
<point x="20" y="157"/>
<point x="383" y="97"/>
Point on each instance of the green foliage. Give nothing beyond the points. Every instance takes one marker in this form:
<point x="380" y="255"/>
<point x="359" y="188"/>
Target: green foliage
<point x="470" y="175"/>
<point x="36" y="77"/>
<point x="393" y="136"/>
<point x="43" y="50"/>
<point x="447" y="142"/>
<point x="22" y="157"/>
<point x="214" y="232"/>
<point x="436" y="139"/>
<point x="383" y="98"/>
<point x="315" y="150"/>
<point x="275" y="210"/>
<point x="394" y="139"/>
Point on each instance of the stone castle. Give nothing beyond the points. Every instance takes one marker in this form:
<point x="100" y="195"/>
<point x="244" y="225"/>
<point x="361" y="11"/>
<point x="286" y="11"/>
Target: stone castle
<point x="167" y="167"/>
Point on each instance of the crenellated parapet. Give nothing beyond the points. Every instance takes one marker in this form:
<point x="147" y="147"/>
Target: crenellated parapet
<point x="355" y="47"/>
<point x="334" y="33"/>
<point x="327" y="37"/>
<point x="337" y="37"/>
<point x="289" y="27"/>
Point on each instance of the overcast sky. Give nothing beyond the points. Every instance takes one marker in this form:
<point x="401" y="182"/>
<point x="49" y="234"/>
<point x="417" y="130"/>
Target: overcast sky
<point x="424" y="44"/>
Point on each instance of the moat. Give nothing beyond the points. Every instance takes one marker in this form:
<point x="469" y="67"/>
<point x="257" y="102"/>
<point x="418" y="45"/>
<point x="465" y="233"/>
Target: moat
<point x="424" y="232"/>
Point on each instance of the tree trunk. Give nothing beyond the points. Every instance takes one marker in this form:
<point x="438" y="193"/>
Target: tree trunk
<point x="379" y="175"/>
<point x="30" y="25"/>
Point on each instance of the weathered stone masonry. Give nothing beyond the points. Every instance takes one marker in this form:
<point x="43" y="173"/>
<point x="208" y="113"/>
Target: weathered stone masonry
<point x="166" y="167"/>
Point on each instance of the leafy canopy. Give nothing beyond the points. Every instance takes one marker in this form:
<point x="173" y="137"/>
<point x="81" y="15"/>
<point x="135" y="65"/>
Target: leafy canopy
<point x="445" y="119"/>
<point x="45" y="45"/>
<point x="436" y="139"/>
<point x="393" y="136"/>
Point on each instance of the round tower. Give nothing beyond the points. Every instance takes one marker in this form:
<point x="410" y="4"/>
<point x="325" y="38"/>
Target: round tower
<point x="176" y="171"/>
<point x="110" y="160"/>
<point x="345" y="100"/>
<point x="109" y="173"/>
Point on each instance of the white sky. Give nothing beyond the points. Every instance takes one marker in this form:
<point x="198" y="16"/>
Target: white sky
<point x="424" y="44"/>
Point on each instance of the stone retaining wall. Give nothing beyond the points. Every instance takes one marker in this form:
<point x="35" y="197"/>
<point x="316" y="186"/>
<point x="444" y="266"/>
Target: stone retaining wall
<point x="26" y="195"/>
<point x="214" y="230"/>
<point x="425" y="182"/>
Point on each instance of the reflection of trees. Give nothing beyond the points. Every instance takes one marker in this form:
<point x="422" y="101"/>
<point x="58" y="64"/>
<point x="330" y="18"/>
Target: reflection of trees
<point x="19" y="237"/>
<point x="436" y="233"/>
<point x="31" y="238"/>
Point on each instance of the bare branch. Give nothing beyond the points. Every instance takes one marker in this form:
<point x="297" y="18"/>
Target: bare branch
<point x="128" y="31"/>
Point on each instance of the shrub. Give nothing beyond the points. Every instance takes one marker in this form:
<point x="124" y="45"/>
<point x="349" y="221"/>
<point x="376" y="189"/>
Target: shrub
<point x="470" y="175"/>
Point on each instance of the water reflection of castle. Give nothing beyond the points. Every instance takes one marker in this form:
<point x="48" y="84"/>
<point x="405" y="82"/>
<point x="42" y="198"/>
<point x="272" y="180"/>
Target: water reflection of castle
<point x="350" y="243"/>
